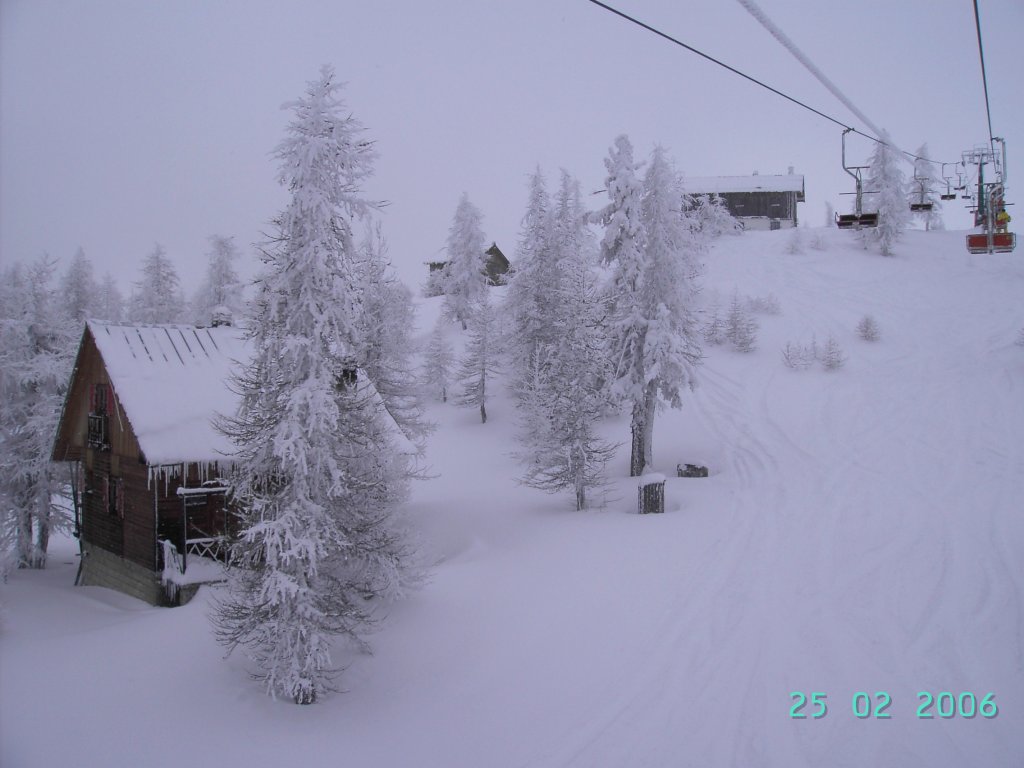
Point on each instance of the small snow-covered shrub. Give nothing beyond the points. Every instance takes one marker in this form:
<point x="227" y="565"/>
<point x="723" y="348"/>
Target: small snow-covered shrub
<point x="799" y="357"/>
<point x="1020" y="338"/>
<point x="796" y="242"/>
<point x="740" y="327"/>
<point x="764" y="305"/>
<point x="832" y="357"/>
<point x="817" y="242"/>
<point x="867" y="329"/>
<point x="714" y="329"/>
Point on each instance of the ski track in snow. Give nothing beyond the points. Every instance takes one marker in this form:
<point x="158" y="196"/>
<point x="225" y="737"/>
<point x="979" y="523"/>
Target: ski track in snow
<point x="860" y="531"/>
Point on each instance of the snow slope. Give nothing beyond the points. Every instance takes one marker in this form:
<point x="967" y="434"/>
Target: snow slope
<point x="860" y="531"/>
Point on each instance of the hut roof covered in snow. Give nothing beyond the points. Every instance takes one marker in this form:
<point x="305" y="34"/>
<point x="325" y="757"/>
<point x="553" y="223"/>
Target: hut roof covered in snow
<point x="706" y="185"/>
<point x="171" y="383"/>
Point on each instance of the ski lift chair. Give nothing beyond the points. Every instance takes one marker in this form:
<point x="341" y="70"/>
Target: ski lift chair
<point x="856" y="220"/>
<point x="1000" y="242"/>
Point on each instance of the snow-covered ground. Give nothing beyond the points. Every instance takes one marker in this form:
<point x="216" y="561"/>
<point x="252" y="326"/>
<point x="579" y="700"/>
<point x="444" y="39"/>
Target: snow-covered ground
<point x="861" y="531"/>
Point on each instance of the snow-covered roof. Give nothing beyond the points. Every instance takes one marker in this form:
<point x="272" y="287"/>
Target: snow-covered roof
<point x="172" y="380"/>
<point x="706" y="185"/>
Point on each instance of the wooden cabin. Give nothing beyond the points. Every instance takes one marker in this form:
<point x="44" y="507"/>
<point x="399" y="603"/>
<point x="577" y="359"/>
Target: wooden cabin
<point x="138" y="417"/>
<point x="757" y="201"/>
<point x="496" y="266"/>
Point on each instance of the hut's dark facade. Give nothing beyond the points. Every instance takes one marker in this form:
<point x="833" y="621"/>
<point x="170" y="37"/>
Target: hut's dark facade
<point x="757" y="201"/>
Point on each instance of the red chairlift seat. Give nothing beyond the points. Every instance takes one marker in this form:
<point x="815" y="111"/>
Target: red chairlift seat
<point x="855" y="221"/>
<point x="1002" y="242"/>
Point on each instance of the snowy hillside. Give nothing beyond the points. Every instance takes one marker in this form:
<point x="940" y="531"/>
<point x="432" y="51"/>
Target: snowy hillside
<point x="861" y="531"/>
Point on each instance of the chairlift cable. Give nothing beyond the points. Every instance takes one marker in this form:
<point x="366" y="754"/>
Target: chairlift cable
<point x="776" y="91"/>
<point x="984" y="77"/>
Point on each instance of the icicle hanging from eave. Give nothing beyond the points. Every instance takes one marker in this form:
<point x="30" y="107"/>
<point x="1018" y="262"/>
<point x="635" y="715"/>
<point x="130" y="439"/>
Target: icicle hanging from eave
<point x="167" y="472"/>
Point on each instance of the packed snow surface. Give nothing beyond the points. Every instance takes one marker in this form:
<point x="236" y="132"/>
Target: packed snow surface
<point x="860" y="531"/>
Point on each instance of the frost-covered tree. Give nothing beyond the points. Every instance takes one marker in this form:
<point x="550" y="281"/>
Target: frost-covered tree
<point x="831" y="356"/>
<point x="438" y="364"/>
<point x="317" y="471"/>
<point x="923" y="189"/>
<point x="157" y="297"/>
<point x="109" y="300"/>
<point x="887" y="194"/>
<point x="466" y="278"/>
<point x="795" y="246"/>
<point x="220" y="295"/>
<point x="78" y="289"/>
<point x="479" y="364"/>
<point x="36" y="352"/>
<point x="653" y="251"/>
<point x="530" y="301"/>
<point x="562" y="397"/>
<point x="385" y="330"/>
<point x="740" y="326"/>
<point x="709" y="214"/>
<point x="867" y="329"/>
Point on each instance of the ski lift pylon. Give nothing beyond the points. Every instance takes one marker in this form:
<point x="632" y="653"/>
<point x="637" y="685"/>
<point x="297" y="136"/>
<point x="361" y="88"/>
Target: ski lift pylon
<point x="991" y="214"/>
<point x="859" y="219"/>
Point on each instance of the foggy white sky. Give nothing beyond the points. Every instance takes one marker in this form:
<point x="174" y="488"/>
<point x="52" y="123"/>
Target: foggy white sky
<point x="127" y="123"/>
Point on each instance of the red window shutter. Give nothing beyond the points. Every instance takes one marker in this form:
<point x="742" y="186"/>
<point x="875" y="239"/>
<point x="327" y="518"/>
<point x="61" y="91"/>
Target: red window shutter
<point x="92" y="398"/>
<point x="110" y="398"/>
<point x="120" y="498"/>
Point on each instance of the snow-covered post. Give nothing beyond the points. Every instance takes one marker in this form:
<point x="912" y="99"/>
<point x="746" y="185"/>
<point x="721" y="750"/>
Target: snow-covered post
<point x="651" y="494"/>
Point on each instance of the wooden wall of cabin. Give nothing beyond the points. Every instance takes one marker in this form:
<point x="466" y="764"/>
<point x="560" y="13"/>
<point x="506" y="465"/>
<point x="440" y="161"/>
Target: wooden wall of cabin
<point x="774" y="205"/>
<point x="117" y="507"/>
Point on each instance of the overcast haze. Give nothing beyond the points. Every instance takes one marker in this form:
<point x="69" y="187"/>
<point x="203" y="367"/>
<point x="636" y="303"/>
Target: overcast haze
<point x="123" y="124"/>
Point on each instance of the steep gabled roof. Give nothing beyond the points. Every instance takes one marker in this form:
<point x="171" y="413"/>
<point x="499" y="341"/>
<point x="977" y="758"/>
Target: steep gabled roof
<point x="172" y="381"/>
<point x="706" y="185"/>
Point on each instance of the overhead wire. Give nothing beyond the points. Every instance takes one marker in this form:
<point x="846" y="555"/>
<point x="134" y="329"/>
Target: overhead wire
<point x="984" y="76"/>
<point x="734" y="70"/>
<point x="773" y="29"/>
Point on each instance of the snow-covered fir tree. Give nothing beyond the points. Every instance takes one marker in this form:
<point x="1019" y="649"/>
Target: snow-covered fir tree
<point x="219" y="297"/>
<point x="740" y="326"/>
<point x="465" y="275"/>
<point x="867" y="329"/>
<point x="79" y="294"/>
<point x="887" y="194"/>
<point x="562" y="397"/>
<point x="109" y="300"/>
<point x="318" y="472"/>
<point x="479" y="364"/>
<point x="438" y="364"/>
<point x="530" y="301"/>
<point x="653" y="250"/>
<point x="36" y="354"/>
<point x="157" y="297"/>
<point x="385" y="330"/>
<point x="923" y="188"/>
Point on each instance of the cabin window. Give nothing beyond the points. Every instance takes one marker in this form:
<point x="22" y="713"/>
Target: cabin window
<point x="100" y="400"/>
<point x="101" y="397"/>
<point x="115" y="496"/>
<point x="347" y="378"/>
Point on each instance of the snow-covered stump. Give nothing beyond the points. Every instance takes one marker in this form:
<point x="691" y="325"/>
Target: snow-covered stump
<point x="651" y="494"/>
<point x="691" y="470"/>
